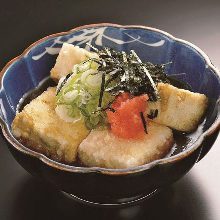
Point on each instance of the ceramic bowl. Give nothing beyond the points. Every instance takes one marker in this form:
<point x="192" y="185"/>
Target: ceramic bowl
<point x="96" y="185"/>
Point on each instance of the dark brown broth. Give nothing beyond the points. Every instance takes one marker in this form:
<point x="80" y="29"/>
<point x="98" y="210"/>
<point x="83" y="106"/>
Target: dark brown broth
<point x="181" y="140"/>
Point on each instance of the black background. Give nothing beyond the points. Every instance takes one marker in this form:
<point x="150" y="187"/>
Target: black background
<point x="196" y="196"/>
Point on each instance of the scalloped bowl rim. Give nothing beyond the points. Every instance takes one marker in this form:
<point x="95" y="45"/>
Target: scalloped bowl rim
<point x="8" y="135"/>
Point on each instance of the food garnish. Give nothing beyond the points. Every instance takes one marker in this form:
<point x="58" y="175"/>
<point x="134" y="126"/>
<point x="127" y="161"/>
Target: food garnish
<point x="94" y="84"/>
<point x="127" y="120"/>
<point x="79" y="94"/>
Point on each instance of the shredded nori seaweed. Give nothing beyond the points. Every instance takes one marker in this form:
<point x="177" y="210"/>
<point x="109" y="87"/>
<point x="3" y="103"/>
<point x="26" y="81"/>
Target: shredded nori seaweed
<point x="129" y="74"/>
<point x="110" y="109"/>
<point x="63" y="83"/>
<point x="102" y="89"/>
<point x="144" y="122"/>
<point x="153" y="114"/>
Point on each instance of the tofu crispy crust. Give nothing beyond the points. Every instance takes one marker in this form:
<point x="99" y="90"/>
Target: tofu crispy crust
<point x="178" y="108"/>
<point x="40" y="128"/>
<point x="102" y="148"/>
<point x="69" y="55"/>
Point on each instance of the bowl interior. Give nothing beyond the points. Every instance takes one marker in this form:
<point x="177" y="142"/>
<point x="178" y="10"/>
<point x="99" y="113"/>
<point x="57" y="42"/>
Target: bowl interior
<point x="25" y="73"/>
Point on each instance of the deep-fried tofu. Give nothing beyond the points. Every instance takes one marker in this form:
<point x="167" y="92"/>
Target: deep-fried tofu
<point x="178" y="108"/>
<point x="102" y="148"/>
<point x="69" y="55"/>
<point x="40" y="128"/>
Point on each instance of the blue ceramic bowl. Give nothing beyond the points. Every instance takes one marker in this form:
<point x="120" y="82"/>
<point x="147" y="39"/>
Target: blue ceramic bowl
<point x="99" y="185"/>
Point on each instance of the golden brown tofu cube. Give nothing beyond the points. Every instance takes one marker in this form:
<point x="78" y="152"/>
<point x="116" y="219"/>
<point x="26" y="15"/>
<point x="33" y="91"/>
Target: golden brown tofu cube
<point x="69" y="55"/>
<point x="102" y="148"/>
<point x="178" y="108"/>
<point x="40" y="128"/>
